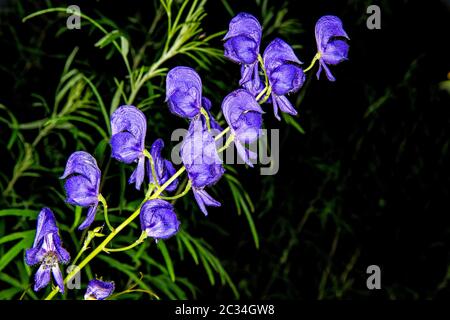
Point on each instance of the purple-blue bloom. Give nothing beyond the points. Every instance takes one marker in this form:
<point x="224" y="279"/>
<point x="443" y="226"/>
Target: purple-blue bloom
<point x="242" y="44"/>
<point x="164" y="169"/>
<point x="98" y="290"/>
<point x="203" y="165"/>
<point x="331" y="42"/>
<point x="158" y="219"/>
<point x="47" y="251"/>
<point x="184" y="92"/>
<point x="129" y="126"/>
<point x="284" y="73"/>
<point x="82" y="184"/>
<point x="244" y="116"/>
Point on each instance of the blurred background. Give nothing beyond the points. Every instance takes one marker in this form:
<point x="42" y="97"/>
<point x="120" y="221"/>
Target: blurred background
<point x="364" y="168"/>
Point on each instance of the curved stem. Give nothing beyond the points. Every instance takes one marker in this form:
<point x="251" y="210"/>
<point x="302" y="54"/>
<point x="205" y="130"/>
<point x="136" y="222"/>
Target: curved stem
<point x="134" y="244"/>
<point x="152" y="165"/>
<point x="261" y="93"/>
<point x="105" y="210"/>
<point x="205" y="114"/>
<point x="227" y="143"/>
<point x="186" y="190"/>
<point x="316" y="57"/>
<point x="269" y="91"/>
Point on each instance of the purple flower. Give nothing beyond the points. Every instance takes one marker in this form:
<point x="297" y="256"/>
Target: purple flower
<point x="82" y="184"/>
<point x="129" y="125"/>
<point x="284" y="73"/>
<point x="244" y="116"/>
<point x="203" y="165"/>
<point x="164" y="169"/>
<point x="158" y="219"/>
<point x="331" y="42"/>
<point x="98" y="290"/>
<point x="47" y="251"/>
<point x="184" y="92"/>
<point x="242" y="44"/>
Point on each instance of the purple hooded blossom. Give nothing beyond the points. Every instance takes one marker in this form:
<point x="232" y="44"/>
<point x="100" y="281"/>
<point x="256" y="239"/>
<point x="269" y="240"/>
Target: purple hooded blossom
<point x="184" y="92"/>
<point x="47" y="251"/>
<point x="129" y="126"/>
<point x="82" y="184"/>
<point x="242" y="45"/>
<point x="244" y="116"/>
<point x="164" y="169"/>
<point x="203" y="165"/>
<point x="331" y="42"/>
<point x="284" y="73"/>
<point x="158" y="219"/>
<point x="99" y="290"/>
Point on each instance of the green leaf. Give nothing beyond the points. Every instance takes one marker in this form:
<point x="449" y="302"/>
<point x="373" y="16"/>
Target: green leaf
<point x="167" y="259"/>
<point x="14" y="251"/>
<point x="124" y="46"/>
<point x="108" y="38"/>
<point x="19" y="212"/>
<point x="18" y="235"/>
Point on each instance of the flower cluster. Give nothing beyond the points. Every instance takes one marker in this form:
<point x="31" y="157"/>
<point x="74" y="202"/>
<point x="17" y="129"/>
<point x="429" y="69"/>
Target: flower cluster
<point x="267" y="78"/>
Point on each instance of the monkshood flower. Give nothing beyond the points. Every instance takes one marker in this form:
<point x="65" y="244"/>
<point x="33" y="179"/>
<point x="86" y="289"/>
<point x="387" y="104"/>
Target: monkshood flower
<point x="47" y="251"/>
<point x="184" y="92"/>
<point x="164" y="169"/>
<point x="242" y="44"/>
<point x="128" y="126"/>
<point x="284" y="74"/>
<point x="203" y="165"/>
<point x="158" y="219"/>
<point x="82" y="184"/>
<point x="331" y="42"/>
<point x="244" y="116"/>
<point x="98" y="290"/>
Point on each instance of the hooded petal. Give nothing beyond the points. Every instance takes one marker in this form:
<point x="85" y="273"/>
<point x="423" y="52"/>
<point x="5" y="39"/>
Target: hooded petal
<point x="132" y="120"/>
<point x="328" y="27"/>
<point x="243" y="114"/>
<point x="277" y="53"/>
<point x="80" y="191"/>
<point x="158" y="219"/>
<point x="46" y="223"/>
<point x="241" y="49"/>
<point x="204" y="199"/>
<point x="89" y="217"/>
<point x="244" y="24"/>
<point x="184" y="92"/>
<point x="82" y="163"/>
<point x="41" y="278"/>
<point x="335" y="52"/>
<point x="58" y="278"/>
<point x="246" y="154"/>
<point x="125" y="147"/>
<point x="98" y="290"/>
<point x="286" y="78"/>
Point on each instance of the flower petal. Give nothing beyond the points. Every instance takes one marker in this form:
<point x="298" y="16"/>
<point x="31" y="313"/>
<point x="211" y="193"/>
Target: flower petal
<point x="80" y="191"/>
<point x="204" y="199"/>
<point x="89" y="217"/>
<point x="158" y="219"/>
<point x="277" y="53"/>
<point x="58" y="278"/>
<point x="82" y="163"/>
<point x="244" y="24"/>
<point x="328" y="27"/>
<point x="138" y="174"/>
<point x="286" y="78"/>
<point x="125" y="147"/>
<point x="184" y="92"/>
<point x="335" y="52"/>
<point x="99" y="290"/>
<point x="241" y="49"/>
<point x="46" y="223"/>
<point x="130" y="119"/>
<point x="41" y="278"/>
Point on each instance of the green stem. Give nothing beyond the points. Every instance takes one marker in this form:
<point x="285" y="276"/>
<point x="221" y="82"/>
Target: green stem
<point x="152" y="165"/>
<point x="105" y="210"/>
<point x="227" y="143"/>
<point x="269" y="91"/>
<point x="134" y="244"/>
<point x="186" y="190"/>
<point x="316" y="57"/>
<point x="261" y="93"/>
<point x="205" y="114"/>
